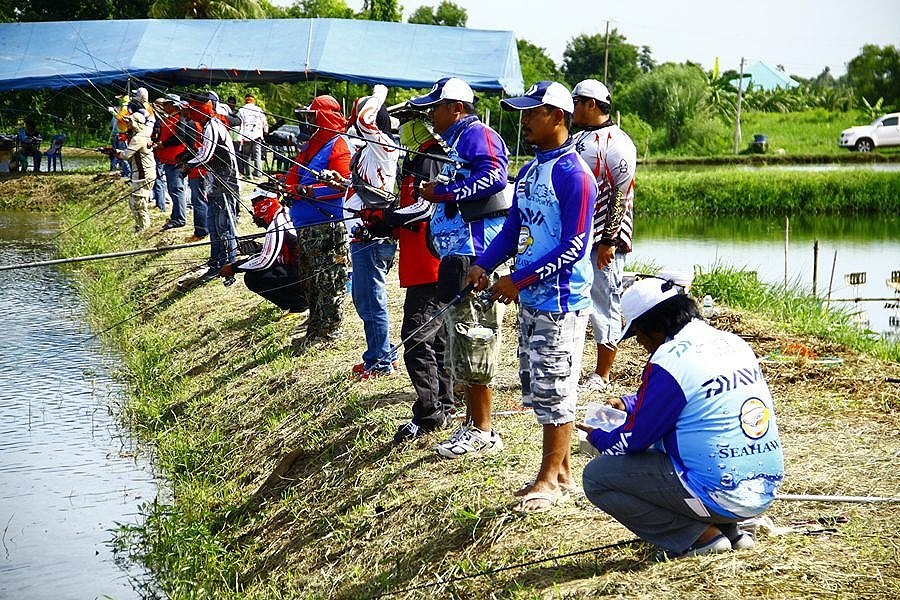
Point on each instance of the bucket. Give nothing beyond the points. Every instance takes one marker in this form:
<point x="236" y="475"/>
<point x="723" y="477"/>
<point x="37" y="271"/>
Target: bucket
<point x="759" y="138"/>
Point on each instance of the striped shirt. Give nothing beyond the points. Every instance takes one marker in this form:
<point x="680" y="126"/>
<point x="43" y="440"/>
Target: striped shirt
<point x="612" y="158"/>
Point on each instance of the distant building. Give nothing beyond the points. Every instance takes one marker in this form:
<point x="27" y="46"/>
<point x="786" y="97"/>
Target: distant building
<point x="765" y="77"/>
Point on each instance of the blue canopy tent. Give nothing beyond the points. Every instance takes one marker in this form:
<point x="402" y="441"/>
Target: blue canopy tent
<point x="62" y="54"/>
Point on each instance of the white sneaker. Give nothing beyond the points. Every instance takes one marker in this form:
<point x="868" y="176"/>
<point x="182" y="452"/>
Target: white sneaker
<point x="595" y="383"/>
<point x="469" y="440"/>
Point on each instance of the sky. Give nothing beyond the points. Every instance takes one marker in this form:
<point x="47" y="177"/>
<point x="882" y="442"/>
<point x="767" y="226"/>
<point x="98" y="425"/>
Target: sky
<point x="804" y="36"/>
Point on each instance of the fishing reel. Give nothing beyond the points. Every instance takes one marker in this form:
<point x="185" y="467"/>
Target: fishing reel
<point x="482" y="301"/>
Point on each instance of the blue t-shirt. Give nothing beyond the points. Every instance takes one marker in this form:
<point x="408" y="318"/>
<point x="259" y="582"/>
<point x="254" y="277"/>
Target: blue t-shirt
<point x="549" y="231"/>
<point x="704" y="402"/>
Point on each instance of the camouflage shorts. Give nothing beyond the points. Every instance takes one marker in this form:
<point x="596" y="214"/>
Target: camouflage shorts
<point x="472" y="354"/>
<point x="550" y="350"/>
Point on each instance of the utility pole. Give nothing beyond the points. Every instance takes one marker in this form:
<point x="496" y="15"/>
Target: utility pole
<point x="606" y="57"/>
<point x="737" y="115"/>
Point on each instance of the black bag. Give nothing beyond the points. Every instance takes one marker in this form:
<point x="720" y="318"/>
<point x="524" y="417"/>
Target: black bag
<point x="452" y="276"/>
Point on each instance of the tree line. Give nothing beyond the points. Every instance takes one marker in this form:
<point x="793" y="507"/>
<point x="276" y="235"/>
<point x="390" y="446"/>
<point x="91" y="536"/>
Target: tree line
<point x="674" y="106"/>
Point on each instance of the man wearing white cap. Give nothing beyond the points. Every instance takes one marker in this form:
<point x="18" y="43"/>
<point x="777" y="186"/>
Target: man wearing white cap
<point x="549" y="233"/>
<point x="612" y="158"/>
<point x="470" y="210"/>
<point x="700" y="448"/>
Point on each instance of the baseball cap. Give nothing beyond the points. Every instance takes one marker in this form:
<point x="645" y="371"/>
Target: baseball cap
<point x="259" y="193"/>
<point x="643" y="295"/>
<point x="448" y="88"/>
<point x="542" y="93"/>
<point x="591" y="88"/>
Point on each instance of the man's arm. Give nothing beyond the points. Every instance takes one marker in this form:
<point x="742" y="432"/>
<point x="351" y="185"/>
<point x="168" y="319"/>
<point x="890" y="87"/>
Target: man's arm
<point x="486" y="158"/>
<point x="652" y="415"/>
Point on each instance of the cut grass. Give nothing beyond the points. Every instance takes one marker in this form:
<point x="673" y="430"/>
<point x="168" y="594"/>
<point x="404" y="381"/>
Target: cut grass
<point x="284" y="483"/>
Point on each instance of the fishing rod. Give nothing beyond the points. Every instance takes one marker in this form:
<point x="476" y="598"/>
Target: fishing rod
<point x="853" y="499"/>
<point x="387" y="358"/>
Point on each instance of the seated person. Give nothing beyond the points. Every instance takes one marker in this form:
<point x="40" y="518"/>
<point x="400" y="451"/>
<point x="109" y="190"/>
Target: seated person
<point x="29" y="145"/>
<point x="273" y="271"/>
<point x="694" y="456"/>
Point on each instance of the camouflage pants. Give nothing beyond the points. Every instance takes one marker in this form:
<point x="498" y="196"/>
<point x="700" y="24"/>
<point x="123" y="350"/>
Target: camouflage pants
<point x="323" y="275"/>
<point x="137" y="202"/>
<point x="550" y="350"/>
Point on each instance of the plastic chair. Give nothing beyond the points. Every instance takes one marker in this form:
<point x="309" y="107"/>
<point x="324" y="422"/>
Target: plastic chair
<point x="54" y="153"/>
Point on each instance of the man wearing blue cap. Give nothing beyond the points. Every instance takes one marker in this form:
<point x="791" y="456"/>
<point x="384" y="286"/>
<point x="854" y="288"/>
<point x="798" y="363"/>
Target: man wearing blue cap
<point x="549" y="233"/>
<point x="470" y="210"/>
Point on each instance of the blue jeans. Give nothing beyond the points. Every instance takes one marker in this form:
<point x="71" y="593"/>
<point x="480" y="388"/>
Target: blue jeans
<point x="159" y="188"/>
<point x="198" y="187"/>
<point x="175" y="185"/>
<point x="223" y="188"/>
<point x="371" y="262"/>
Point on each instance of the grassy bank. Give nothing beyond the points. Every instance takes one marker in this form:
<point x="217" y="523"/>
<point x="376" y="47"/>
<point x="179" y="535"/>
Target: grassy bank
<point x="731" y="191"/>
<point x="283" y="483"/>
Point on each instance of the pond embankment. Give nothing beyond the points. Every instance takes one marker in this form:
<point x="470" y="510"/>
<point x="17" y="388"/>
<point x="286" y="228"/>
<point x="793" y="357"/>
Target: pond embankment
<point x="286" y="485"/>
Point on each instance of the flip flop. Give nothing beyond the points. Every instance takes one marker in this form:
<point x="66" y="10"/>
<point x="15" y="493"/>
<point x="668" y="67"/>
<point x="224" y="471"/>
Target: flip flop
<point x="569" y="489"/>
<point x="549" y="497"/>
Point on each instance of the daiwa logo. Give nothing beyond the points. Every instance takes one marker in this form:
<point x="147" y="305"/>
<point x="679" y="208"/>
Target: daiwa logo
<point x="535" y="217"/>
<point x="482" y="183"/>
<point x="532" y="89"/>
<point x="573" y="253"/>
<point x="726" y="383"/>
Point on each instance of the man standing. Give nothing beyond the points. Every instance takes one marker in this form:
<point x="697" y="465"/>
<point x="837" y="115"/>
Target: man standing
<point x="612" y="158"/>
<point x="470" y="210"/>
<point x="217" y="155"/>
<point x="426" y="337"/>
<point x="272" y="272"/>
<point x="316" y="211"/>
<point x="143" y="168"/>
<point x="373" y="172"/>
<point x="169" y="145"/>
<point x="253" y="127"/>
<point x="693" y="456"/>
<point x="548" y="231"/>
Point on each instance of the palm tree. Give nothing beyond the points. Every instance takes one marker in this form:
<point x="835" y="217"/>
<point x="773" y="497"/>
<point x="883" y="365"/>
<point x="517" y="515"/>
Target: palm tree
<point x="206" y="9"/>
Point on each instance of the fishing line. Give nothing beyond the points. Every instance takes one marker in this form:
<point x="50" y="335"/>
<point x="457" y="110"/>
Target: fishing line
<point x="506" y="568"/>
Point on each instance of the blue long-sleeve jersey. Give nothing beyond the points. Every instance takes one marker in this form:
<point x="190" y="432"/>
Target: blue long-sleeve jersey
<point x="484" y="157"/>
<point x="703" y="401"/>
<point x="549" y="231"/>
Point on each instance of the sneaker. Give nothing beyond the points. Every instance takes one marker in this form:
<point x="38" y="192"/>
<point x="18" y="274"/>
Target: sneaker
<point x="360" y="368"/>
<point x="716" y="545"/>
<point x="469" y="440"/>
<point x="196" y="237"/>
<point x="210" y="274"/>
<point x="171" y="225"/>
<point x="595" y="383"/>
<point x="744" y="541"/>
<point x="373" y="373"/>
<point x="408" y="431"/>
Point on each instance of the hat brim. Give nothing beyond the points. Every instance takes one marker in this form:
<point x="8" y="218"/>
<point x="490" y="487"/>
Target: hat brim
<point x="423" y="101"/>
<point x="520" y="103"/>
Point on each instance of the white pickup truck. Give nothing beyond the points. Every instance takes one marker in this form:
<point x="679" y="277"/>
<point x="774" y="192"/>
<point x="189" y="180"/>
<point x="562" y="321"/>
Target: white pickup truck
<point x="883" y="131"/>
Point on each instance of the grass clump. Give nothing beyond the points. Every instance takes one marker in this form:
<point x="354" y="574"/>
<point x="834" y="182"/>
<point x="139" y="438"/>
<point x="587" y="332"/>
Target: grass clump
<point x="730" y="191"/>
<point x="797" y="310"/>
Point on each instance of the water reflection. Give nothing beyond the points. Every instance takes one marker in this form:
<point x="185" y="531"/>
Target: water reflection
<point x="67" y="475"/>
<point x="847" y="244"/>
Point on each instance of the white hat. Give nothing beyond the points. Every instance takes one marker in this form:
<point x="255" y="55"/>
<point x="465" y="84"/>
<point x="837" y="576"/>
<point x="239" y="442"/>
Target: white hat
<point x="141" y="94"/>
<point x="641" y="297"/>
<point x="448" y="88"/>
<point x="542" y="93"/>
<point x="591" y="88"/>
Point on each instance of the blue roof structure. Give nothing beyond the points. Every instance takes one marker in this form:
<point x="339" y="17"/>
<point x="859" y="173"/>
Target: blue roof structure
<point x="766" y="77"/>
<point x="62" y="54"/>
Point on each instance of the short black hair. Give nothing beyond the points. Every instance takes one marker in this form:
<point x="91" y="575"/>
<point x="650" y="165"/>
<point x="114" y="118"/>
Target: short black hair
<point x="668" y="317"/>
